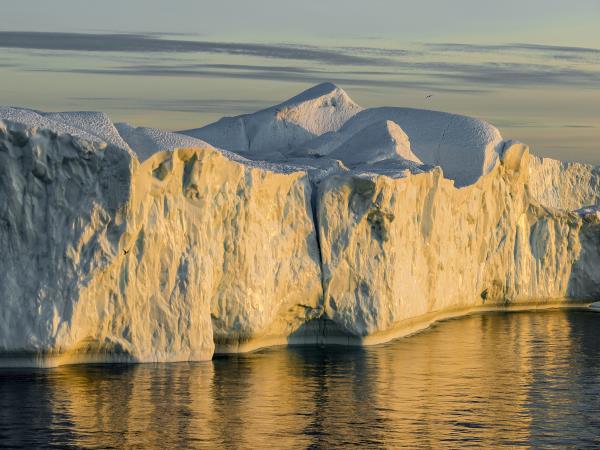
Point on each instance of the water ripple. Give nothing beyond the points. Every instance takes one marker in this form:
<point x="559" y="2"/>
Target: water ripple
<point x="493" y="380"/>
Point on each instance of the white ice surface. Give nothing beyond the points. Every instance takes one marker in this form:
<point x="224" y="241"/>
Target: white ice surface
<point x="322" y="119"/>
<point x="34" y="119"/>
<point x="282" y="127"/>
<point x="465" y="148"/>
<point x="95" y="123"/>
<point x="146" y="141"/>
<point x="377" y="142"/>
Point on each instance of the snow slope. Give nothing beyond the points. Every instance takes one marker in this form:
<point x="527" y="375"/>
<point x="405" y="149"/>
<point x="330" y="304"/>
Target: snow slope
<point x="333" y="225"/>
<point x="282" y="127"/>
<point x="147" y="141"/>
<point x="465" y="148"/>
<point x="95" y="123"/>
<point x="377" y="142"/>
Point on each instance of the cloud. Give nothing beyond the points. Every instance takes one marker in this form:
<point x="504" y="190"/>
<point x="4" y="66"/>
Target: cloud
<point x="301" y="76"/>
<point x="509" y="74"/>
<point x="143" y="43"/>
<point x="433" y="76"/>
<point x="524" y="123"/>
<point x="549" y="52"/>
<point x="261" y="68"/>
<point x="521" y="75"/>
<point x="478" y="48"/>
<point x="217" y="106"/>
<point x="389" y="52"/>
<point x="351" y="66"/>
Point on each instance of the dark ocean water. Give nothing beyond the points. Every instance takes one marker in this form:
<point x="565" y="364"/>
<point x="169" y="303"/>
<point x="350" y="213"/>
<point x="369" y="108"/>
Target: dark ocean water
<point x="493" y="380"/>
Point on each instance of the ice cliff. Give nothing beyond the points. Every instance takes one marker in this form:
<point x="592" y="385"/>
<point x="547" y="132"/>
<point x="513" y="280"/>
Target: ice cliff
<point x="155" y="261"/>
<point x="311" y="221"/>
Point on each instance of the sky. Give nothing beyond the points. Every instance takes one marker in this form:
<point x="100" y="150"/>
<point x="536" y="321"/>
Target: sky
<point x="530" y="67"/>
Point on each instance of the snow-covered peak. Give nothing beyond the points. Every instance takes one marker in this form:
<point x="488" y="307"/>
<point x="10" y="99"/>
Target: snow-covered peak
<point x="320" y="90"/>
<point x="379" y="141"/>
<point x="283" y="127"/>
<point x="321" y="95"/>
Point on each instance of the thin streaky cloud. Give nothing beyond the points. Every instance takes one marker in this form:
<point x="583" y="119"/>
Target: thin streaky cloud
<point x="139" y="43"/>
<point x="480" y="48"/>
<point x="391" y="52"/>
<point x="511" y="123"/>
<point x="400" y="68"/>
<point x="124" y="43"/>
<point x="556" y="48"/>
<point x="263" y="68"/>
<point x="438" y="76"/>
<point x="485" y="73"/>
<point x="221" y="106"/>
<point x="241" y="67"/>
<point x="503" y="78"/>
<point x="271" y="76"/>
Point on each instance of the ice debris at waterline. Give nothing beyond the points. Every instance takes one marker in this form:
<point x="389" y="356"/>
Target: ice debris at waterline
<point x="311" y="221"/>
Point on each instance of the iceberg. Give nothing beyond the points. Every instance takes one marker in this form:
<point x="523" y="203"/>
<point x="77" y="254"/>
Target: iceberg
<point x="314" y="221"/>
